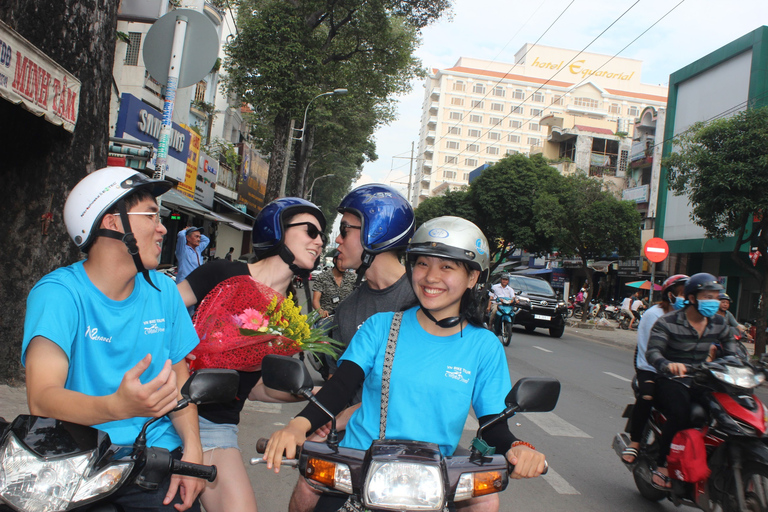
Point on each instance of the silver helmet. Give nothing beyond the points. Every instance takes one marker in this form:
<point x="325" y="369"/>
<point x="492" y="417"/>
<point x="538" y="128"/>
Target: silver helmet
<point x="452" y="238"/>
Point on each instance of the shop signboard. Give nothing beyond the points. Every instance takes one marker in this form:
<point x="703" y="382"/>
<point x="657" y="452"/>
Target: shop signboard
<point x="31" y="78"/>
<point x="187" y="186"/>
<point x="207" y="169"/>
<point x="140" y="121"/>
<point x="253" y="178"/>
<point x="559" y="276"/>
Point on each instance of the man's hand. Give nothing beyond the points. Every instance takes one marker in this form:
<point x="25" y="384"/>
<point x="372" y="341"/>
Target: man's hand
<point x="528" y="463"/>
<point x="323" y="313"/>
<point x="677" y="369"/>
<point x="153" y="399"/>
<point x="188" y="487"/>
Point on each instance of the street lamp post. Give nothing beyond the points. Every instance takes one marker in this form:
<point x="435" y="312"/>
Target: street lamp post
<point x="302" y="129"/>
<point x="312" y="187"/>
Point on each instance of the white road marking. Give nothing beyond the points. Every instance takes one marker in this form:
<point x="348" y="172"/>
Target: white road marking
<point x="271" y="408"/>
<point x="558" y="483"/>
<point x="554" y="425"/>
<point x="618" y="376"/>
<point x="542" y="349"/>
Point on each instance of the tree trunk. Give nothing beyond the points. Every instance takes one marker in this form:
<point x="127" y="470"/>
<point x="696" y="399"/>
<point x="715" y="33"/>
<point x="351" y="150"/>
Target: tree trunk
<point x="303" y="153"/>
<point x="43" y="162"/>
<point x="278" y="156"/>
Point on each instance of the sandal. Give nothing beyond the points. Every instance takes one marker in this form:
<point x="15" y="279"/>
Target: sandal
<point x="629" y="452"/>
<point x="655" y="473"/>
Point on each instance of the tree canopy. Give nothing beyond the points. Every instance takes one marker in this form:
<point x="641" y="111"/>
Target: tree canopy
<point x="723" y="168"/>
<point x="288" y="52"/>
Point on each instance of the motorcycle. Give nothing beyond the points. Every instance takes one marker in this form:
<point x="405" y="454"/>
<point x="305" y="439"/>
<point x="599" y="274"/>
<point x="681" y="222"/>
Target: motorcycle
<point x="48" y="464"/>
<point x="504" y="319"/>
<point x="611" y="310"/>
<point x="734" y="424"/>
<point x="624" y="319"/>
<point x="403" y="475"/>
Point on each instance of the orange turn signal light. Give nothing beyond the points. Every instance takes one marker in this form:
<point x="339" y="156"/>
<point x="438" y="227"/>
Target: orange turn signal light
<point x="321" y="471"/>
<point x="487" y="482"/>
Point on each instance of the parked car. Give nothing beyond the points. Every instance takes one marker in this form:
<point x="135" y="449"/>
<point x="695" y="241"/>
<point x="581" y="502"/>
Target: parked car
<point x="546" y="310"/>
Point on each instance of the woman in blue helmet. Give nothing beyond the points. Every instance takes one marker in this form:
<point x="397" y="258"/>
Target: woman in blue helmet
<point x="288" y="240"/>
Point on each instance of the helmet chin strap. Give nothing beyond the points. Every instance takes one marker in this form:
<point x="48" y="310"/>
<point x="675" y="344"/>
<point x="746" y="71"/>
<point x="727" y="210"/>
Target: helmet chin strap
<point x="367" y="259"/>
<point x="129" y="240"/>
<point x="445" y="323"/>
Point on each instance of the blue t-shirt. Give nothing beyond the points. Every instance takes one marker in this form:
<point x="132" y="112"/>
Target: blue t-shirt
<point x="104" y="338"/>
<point x="435" y="380"/>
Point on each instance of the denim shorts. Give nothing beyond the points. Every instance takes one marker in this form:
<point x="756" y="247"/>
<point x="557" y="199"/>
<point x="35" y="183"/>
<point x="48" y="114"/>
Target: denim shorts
<point x="217" y="435"/>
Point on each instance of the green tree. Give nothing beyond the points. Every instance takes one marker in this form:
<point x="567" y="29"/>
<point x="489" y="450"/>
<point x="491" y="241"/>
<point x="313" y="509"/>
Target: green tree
<point x="288" y="52"/>
<point x="504" y="198"/>
<point x="723" y="167"/>
<point x="586" y="221"/>
<point x="453" y="202"/>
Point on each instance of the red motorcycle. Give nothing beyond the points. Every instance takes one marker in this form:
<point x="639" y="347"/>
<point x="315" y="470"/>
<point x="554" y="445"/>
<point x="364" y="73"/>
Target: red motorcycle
<point x="733" y="422"/>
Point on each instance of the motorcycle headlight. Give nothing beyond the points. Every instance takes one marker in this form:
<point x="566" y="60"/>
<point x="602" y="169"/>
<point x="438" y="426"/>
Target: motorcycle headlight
<point x="394" y="485"/>
<point x="29" y="483"/>
<point x="743" y="378"/>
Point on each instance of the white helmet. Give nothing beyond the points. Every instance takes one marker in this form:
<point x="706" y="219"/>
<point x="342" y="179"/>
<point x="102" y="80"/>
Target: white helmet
<point x="97" y="193"/>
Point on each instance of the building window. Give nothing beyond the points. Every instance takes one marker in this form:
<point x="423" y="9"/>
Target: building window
<point x="479" y="89"/>
<point x="457" y="101"/>
<point x="588" y="103"/>
<point x="466" y="176"/>
<point x="512" y="152"/>
<point x="519" y="94"/>
<point x="473" y="147"/>
<point x="454" y="130"/>
<point x="133" y="49"/>
<point x="473" y="133"/>
<point x="604" y="158"/>
<point x="477" y="104"/>
<point x="513" y="138"/>
<point x="557" y="100"/>
<point x="538" y="97"/>
<point x="474" y="118"/>
<point x="452" y="144"/>
<point x="534" y="127"/>
<point x="495" y="121"/>
<point x="450" y="159"/>
<point x="492" y="150"/>
<point x="470" y="162"/>
<point x="534" y="141"/>
<point x="497" y="107"/>
<point x="623" y="159"/>
<point x="537" y="112"/>
<point x="515" y="124"/>
<point x="494" y="135"/>
<point x="499" y="91"/>
<point x="456" y="116"/>
<point x="458" y="85"/>
<point x="449" y="175"/>
<point x="633" y="111"/>
<point x="200" y="89"/>
<point x="518" y="109"/>
<point x="614" y="108"/>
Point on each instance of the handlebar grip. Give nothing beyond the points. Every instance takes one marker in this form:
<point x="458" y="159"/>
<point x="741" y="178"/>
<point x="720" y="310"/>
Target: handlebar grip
<point x="179" y="467"/>
<point x="261" y="445"/>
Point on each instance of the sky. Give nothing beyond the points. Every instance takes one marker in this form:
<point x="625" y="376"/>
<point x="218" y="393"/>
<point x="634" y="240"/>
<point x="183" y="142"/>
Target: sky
<point x="496" y="29"/>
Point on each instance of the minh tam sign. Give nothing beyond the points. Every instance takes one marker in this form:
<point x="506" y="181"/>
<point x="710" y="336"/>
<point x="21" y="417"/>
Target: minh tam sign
<point x="32" y="79"/>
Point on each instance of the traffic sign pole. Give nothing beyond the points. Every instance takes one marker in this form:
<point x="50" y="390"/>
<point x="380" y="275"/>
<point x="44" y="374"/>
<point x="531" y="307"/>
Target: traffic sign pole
<point x="656" y="250"/>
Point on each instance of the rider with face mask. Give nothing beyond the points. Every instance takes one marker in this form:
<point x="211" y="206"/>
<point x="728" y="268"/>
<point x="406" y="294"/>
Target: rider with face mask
<point x="684" y="336"/>
<point x="671" y="300"/>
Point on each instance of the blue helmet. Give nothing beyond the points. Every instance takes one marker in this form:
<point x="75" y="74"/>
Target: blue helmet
<point x="269" y="227"/>
<point x="386" y="217"/>
<point x="700" y="282"/>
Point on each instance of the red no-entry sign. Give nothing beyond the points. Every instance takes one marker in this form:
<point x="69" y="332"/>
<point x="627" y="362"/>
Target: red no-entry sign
<point x="656" y="250"/>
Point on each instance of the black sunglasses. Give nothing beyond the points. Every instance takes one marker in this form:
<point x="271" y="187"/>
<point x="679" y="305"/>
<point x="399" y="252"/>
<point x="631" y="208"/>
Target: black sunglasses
<point x="312" y="231"/>
<point x="344" y="227"/>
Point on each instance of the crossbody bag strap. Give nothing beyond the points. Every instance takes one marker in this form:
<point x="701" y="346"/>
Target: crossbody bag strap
<point x="389" y="358"/>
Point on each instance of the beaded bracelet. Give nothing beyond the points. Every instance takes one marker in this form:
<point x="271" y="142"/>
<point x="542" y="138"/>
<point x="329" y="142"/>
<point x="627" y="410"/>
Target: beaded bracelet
<point x="523" y="443"/>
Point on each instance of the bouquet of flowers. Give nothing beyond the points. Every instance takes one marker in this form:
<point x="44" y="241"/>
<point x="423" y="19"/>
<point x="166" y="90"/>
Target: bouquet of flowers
<point x="241" y="320"/>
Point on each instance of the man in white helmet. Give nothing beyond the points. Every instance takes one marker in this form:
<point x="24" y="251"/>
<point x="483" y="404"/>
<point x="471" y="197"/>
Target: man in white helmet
<point x="105" y="346"/>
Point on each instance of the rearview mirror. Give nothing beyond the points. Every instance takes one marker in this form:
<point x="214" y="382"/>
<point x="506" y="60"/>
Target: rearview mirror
<point x="285" y="374"/>
<point x="534" y="394"/>
<point x="210" y="386"/>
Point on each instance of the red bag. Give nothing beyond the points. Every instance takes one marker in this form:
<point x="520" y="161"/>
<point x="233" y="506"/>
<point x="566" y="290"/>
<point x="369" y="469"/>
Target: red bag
<point x="687" y="459"/>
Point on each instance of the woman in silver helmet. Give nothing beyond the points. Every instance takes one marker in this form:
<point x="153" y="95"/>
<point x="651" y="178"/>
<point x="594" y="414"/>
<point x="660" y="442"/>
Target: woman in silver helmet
<point x="445" y="362"/>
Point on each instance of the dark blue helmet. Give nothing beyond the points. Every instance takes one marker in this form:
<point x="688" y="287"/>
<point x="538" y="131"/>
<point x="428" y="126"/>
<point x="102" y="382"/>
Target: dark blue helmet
<point x="269" y="227"/>
<point x="700" y="282"/>
<point x="386" y="217"/>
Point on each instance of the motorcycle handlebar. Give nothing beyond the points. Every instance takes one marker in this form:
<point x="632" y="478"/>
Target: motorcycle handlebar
<point x="179" y="467"/>
<point x="261" y="445"/>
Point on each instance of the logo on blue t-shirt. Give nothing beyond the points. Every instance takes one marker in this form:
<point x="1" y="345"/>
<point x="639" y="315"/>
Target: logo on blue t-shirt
<point x="154" y="326"/>
<point x="95" y="336"/>
<point x="458" y="373"/>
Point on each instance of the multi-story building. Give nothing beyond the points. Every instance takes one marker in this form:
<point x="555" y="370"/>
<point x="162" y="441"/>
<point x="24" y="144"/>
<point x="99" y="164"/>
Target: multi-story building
<point x="479" y="111"/>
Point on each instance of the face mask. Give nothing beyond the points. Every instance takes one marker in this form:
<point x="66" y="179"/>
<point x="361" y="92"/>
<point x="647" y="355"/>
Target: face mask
<point x="708" y="308"/>
<point x="679" y="303"/>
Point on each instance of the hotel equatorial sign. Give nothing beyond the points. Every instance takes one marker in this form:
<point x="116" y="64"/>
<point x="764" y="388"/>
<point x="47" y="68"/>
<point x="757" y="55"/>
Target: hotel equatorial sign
<point x="32" y="79"/>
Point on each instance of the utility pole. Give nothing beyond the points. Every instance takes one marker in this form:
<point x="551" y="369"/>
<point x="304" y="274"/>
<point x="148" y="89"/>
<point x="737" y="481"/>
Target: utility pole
<point x="287" y="162"/>
<point x="410" y="174"/>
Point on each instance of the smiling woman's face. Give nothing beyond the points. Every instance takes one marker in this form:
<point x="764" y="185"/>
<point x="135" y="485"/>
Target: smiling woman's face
<point x="304" y="248"/>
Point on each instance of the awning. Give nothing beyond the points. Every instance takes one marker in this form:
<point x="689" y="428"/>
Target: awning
<point x="233" y="208"/>
<point x="234" y="222"/>
<point x="531" y="271"/>
<point x="183" y="203"/>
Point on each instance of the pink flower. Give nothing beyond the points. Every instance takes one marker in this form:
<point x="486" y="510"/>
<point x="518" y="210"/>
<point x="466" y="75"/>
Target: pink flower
<point x="253" y="320"/>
